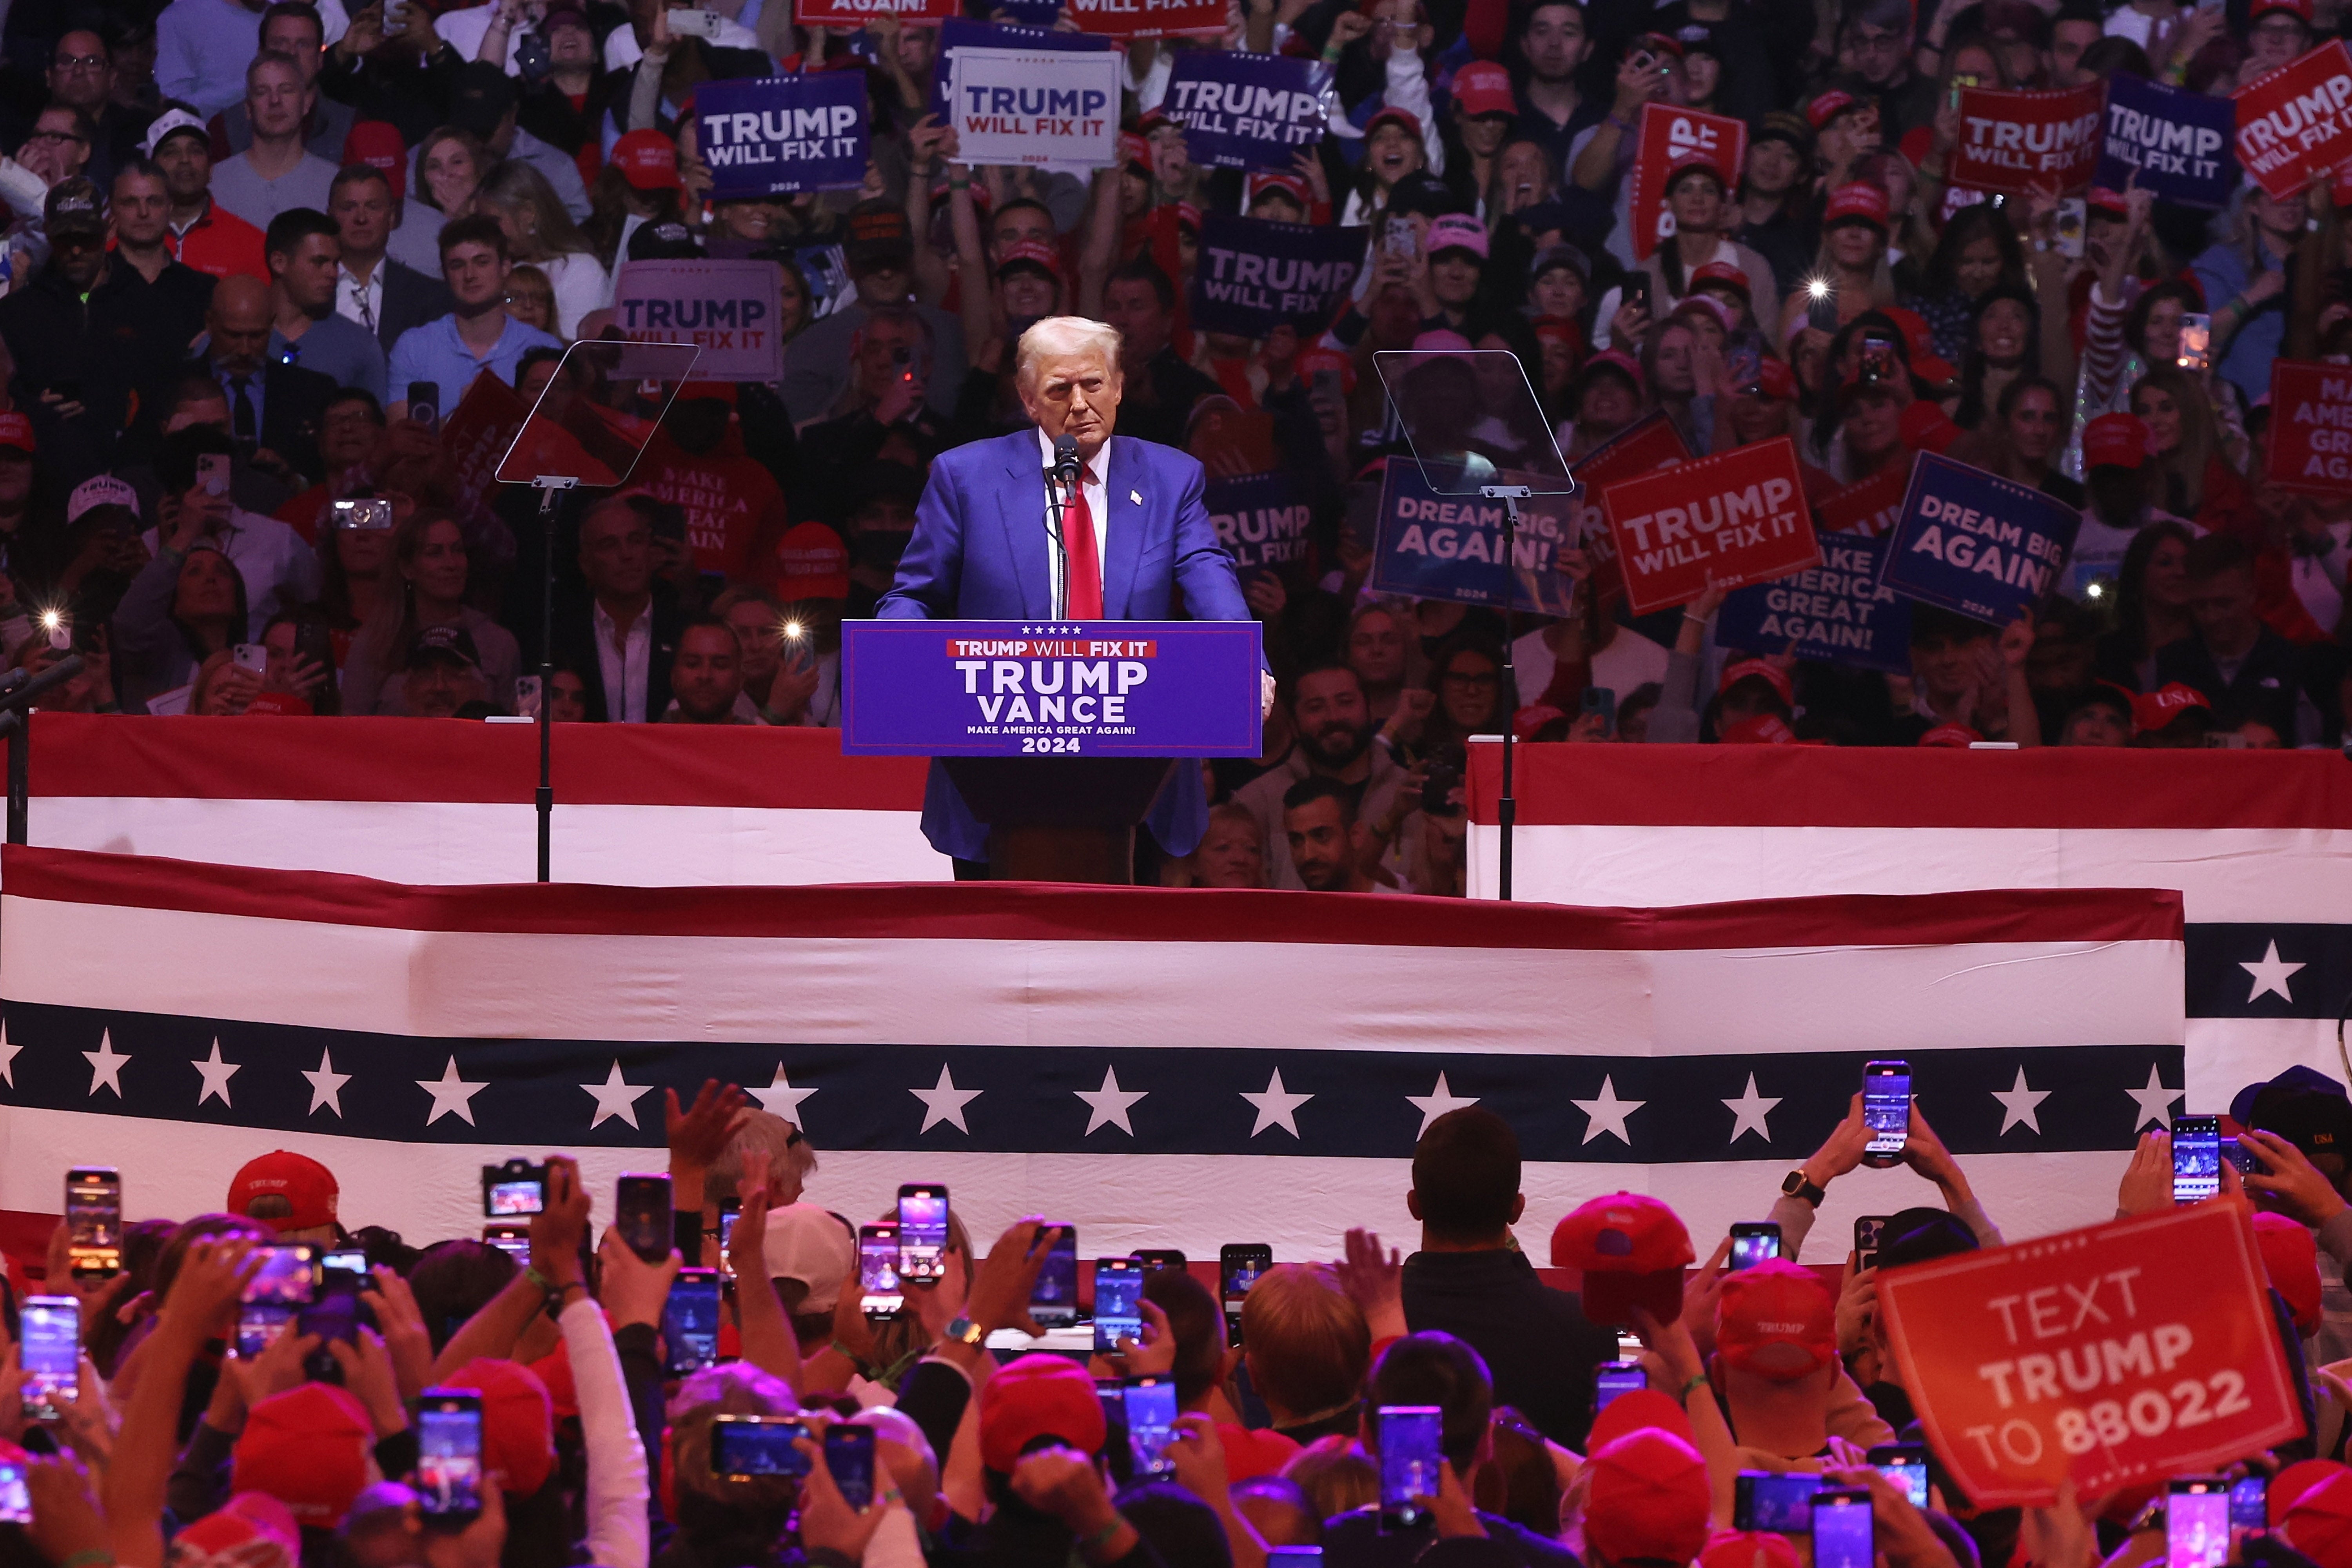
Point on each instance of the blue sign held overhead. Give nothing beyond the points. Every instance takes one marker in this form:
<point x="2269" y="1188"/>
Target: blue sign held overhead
<point x="1835" y="611"/>
<point x="2179" y="142"/>
<point x="1255" y="276"/>
<point x="1005" y="688"/>
<point x="1975" y="543"/>
<point x="1433" y="546"/>
<point x="958" y="32"/>
<point x="778" y="135"/>
<point x="1262" y="519"/>
<point x="1244" y="111"/>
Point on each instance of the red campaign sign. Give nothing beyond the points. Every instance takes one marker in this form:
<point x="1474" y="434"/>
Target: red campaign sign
<point x="477" y="434"/>
<point x="857" y="13"/>
<point x="1644" y="446"/>
<point x="2293" y="124"/>
<point x="1667" y="135"/>
<point x="2020" y="142"/>
<point x="1148" y="18"/>
<point x="2311" y="427"/>
<point x="2078" y="1354"/>
<point x="1868" y="507"/>
<point x="1735" y="518"/>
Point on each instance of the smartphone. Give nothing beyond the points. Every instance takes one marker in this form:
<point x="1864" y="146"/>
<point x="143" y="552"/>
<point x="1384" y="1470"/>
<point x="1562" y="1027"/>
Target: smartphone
<point x="849" y="1459"/>
<point x="16" y="1499"/>
<point x="746" y="1446"/>
<point x="730" y="1211"/>
<point x="258" y="1323"/>
<point x="1754" y="1242"/>
<point x="1293" y="1556"/>
<point x="880" y="1293"/>
<point x="511" y="1238"/>
<point x="1397" y="237"/>
<point x="2068" y="229"/>
<point x="94" y="1221"/>
<point x="373" y="515"/>
<point x="514" y="1188"/>
<point x="1775" y="1500"/>
<point x="1155" y="1259"/>
<point x="330" y="1318"/>
<point x="252" y="656"/>
<point x="690" y="1321"/>
<point x="1411" y="1449"/>
<point x="642" y="1212"/>
<point x="1744" y="364"/>
<point x="1053" y="1300"/>
<point x="2250" y="1506"/>
<point x="449" y="1453"/>
<point x="2195" y="1157"/>
<point x="1637" y="290"/>
<point x="1119" y="1297"/>
<point x="289" y="1276"/>
<point x="922" y="1232"/>
<point x="2197" y="1523"/>
<point x="1820" y="307"/>
<point x="2235" y="1152"/>
<point x="1868" y="1231"/>
<point x="424" y="402"/>
<point x="1439" y="783"/>
<point x="1611" y="1378"/>
<point x="1878" y="361"/>
<point x="1150" y="1406"/>
<point x="1887" y="1110"/>
<point x="2195" y="338"/>
<point x="694" y="25"/>
<point x="1842" y="1534"/>
<point x="343" y="1273"/>
<point x="50" y="1354"/>
<point x="1602" y="700"/>
<point x="532" y="57"/>
<point x="212" y="473"/>
<point x="526" y="701"/>
<point x="1239" y="1263"/>
<point x="1642" y="61"/>
<point x="1905" y="1464"/>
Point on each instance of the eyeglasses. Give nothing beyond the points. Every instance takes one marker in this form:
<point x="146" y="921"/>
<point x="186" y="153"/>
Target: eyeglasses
<point x="57" y="136"/>
<point x="79" y="63"/>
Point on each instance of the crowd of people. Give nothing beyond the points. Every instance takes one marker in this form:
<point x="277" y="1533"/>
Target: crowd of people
<point x="189" y="1439"/>
<point x="256" y="255"/>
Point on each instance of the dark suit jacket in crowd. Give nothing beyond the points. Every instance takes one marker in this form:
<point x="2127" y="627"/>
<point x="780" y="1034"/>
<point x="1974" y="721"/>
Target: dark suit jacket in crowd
<point x="293" y="402"/>
<point x="575" y="645"/>
<point x="1538" y="1346"/>
<point x="411" y="299"/>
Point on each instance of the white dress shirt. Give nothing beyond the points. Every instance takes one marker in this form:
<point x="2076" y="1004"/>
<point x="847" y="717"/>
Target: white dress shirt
<point x="361" y="303"/>
<point x="1090" y="480"/>
<point x="626" y="667"/>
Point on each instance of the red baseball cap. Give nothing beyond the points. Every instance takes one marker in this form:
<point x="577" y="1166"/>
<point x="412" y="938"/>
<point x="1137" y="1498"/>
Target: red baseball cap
<point x="1725" y="275"/>
<point x="1919" y="341"/>
<point x="1135" y="151"/>
<point x="1034" y="253"/>
<point x="1404" y="117"/>
<point x="1694" y="163"/>
<point x="811" y="563"/>
<point x="252" y="1530"/>
<point x="1323" y="358"/>
<point x="1456" y="231"/>
<point x="1749" y="1549"/>
<point x="647" y="161"/>
<point x="2297" y="1478"/>
<point x="1959" y="737"/>
<point x="1632" y="1250"/>
<point x="2291" y="1258"/>
<point x="1926" y="426"/>
<point x="1483" y="88"/>
<point x="518" y="1421"/>
<point x="1829" y="106"/>
<point x="2261" y="8"/>
<point x="1290" y="185"/>
<point x="2319" y="1523"/>
<point x="2106" y="199"/>
<point x="1760" y="729"/>
<point x="2155" y="709"/>
<point x="308" y="1448"/>
<point x="1856" y="200"/>
<point x="1558" y="329"/>
<point x="377" y="143"/>
<point x="1649" y="1499"/>
<point x="1644" y="1408"/>
<point x="2115" y="441"/>
<point x="1771" y="674"/>
<point x="299" y="1179"/>
<point x="17" y="431"/>
<point x="1033" y="1396"/>
<point x="1776" y="1320"/>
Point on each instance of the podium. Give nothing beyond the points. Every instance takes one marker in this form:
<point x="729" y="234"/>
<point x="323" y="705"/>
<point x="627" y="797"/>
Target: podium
<point x="1057" y="739"/>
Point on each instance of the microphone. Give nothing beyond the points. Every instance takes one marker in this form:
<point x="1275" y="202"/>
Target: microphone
<point x="1065" y="459"/>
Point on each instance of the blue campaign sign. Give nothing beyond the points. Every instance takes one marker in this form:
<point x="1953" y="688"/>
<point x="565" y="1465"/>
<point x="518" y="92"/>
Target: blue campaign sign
<point x="1975" y="542"/>
<point x="1835" y="611"/>
<point x="1003" y="689"/>
<point x="1255" y="276"/>
<point x="1244" y="111"/>
<point x="778" y="135"/>
<point x="958" y="32"/>
<point x="2178" y="141"/>
<point x="1433" y="546"/>
<point x="1261" y="518"/>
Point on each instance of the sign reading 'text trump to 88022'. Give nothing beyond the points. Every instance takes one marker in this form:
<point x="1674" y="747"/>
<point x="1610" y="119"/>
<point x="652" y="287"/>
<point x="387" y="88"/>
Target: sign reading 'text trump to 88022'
<point x="1006" y="689"/>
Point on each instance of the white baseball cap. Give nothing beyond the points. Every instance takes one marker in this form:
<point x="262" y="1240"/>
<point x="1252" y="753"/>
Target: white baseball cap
<point x="170" y="121"/>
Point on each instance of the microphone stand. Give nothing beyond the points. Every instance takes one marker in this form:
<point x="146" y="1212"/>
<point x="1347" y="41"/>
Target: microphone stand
<point x="17" y="696"/>
<point x="1061" y="596"/>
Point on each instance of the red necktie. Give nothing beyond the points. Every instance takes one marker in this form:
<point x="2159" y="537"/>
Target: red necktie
<point x="1083" y="595"/>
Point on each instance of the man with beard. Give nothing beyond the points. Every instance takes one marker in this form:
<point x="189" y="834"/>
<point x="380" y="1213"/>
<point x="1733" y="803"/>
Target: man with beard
<point x="1334" y="730"/>
<point x="1319" y="817"/>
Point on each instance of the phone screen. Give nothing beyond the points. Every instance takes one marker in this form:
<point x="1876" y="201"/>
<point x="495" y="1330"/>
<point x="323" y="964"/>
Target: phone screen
<point x="1754" y="1244"/>
<point x="449" y="1453"/>
<point x="1118" y="1294"/>
<point x="1842" y="1531"/>
<point x="258" y="1323"/>
<point x="2195" y="1157"/>
<point x="690" y="1319"/>
<point x="1611" y="1378"/>
<point x="94" y="1220"/>
<point x="522" y="1196"/>
<point x="1821" y="309"/>
<point x="16" y="1500"/>
<point x="1905" y="1464"/>
<point x="2197" y="1524"/>
<point x="514" y="1240"/>
<point x="1887" y="1106"/>
<point x="1878" y="357"/>
<point x="757" y="1446"/>
<point x="922" y="1232"/>
<point x="850" y="1458"/>
<point x="1150" y="1404"/>
<point x="1054" y="1302"/>
<point x="343" y="1271"/>
<point x="1411" y="1449"/>
<point x="289" y="1276"/>
<point x="1238" y="1267"/>
<point x="2250" y="1507"/>
<point x="50" y="1352"/>
<point x="877" y="1270"/>
<point x="643" y="1216"/>
<point x="1774" y="1501"/>
<point x="2196" y="338"/>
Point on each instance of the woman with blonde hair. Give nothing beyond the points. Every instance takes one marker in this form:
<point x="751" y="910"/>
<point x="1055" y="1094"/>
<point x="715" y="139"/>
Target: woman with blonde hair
<point x="542" y="235"/>
<point x="451" y="163"/>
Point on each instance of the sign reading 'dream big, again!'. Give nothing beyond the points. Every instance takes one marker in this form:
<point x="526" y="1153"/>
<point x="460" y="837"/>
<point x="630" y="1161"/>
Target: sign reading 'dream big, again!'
<point x="855" y="14"/>
<point x="726" y="308"/>
<point x="2311" y="427"/>
<point x="1975" y="542"/>
<point x="1450" y="547"/>
<point x="2295" y="125"/>
<point x="1732" y="518"/>
<point x="1003" y="689"/>
<point x="1036" y="107"/>
<point x="2019" y="143"/>
<point x="778" y="135"/>
<point x="2079" y="1355"/>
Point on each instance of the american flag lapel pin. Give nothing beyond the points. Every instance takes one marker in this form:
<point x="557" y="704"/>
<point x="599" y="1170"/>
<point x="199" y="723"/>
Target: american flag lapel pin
<point x="1135" y="496"/>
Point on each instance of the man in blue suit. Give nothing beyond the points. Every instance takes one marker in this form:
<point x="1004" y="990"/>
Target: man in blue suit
<point x="1136" y="530"/>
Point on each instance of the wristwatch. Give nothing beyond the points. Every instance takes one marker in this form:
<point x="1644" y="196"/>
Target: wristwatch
<point x="963" y="1331"/>
<point x="1798" y="1185"/>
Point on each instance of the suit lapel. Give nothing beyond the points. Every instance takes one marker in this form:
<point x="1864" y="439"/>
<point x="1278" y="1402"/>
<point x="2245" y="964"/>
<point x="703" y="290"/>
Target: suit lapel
<point x="1123" y="528"/>
<point x="1020" y="508"/>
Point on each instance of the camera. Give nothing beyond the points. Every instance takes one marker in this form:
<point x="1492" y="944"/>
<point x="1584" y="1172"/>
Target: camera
<point x="517" y="1187"/>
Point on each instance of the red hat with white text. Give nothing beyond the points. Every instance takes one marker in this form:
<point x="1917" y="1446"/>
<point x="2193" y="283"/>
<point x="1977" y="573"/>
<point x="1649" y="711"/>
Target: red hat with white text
<point x="307" y="1187"/>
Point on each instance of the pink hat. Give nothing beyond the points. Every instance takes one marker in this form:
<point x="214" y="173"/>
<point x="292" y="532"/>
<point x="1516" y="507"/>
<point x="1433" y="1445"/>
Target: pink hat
<point x="1456" y="231"/>
<point x="1483" y="88"/>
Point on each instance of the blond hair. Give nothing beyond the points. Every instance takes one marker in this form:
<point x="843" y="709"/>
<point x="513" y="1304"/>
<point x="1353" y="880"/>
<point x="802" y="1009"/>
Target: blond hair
<point x="1308" y="1344"/>
<point x="1065" y="335"/>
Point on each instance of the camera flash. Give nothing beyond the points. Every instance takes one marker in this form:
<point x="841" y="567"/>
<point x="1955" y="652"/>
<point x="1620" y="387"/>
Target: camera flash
<point x="792" y="631"/>
<point x="2095" y="590"/>
<point x="51" y="620"/>
<point x="1818" y="288"/>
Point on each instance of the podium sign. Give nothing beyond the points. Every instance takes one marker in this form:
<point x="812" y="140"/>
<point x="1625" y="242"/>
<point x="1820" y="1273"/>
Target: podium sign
<point x="1009" y="689"/>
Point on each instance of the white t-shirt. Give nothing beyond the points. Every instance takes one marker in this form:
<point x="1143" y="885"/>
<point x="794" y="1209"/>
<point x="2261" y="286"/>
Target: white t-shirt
<point x="1630" y="660"/>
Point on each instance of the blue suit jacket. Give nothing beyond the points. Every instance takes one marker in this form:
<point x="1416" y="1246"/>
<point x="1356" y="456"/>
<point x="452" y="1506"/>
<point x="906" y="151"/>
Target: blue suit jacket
<point x="979" y="553"/>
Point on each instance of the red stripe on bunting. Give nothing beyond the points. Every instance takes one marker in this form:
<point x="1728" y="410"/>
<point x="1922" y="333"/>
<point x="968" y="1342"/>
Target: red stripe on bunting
<point x="441" y="760"/>
<point x="1012" y="912"/>
<point x="1933" y="786"/>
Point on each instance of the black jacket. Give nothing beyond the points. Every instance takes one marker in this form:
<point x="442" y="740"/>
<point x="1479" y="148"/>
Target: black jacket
<point x="114" y="349"/>
<point x="1538" y="1346"/>
<point x="411" y="299"/>
<point x="293" y="405"/>
<point x="1356" y="1540"/>
<point x="575" y="645"/>
<point x="2273" y="673"/>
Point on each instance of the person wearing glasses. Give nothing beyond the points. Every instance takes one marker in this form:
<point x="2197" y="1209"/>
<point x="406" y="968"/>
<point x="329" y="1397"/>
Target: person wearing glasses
<point x="59" y="147"/>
